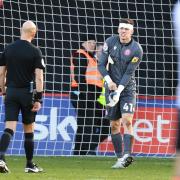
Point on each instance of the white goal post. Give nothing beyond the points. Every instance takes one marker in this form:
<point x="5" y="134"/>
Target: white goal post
<point x="60" y="24"/>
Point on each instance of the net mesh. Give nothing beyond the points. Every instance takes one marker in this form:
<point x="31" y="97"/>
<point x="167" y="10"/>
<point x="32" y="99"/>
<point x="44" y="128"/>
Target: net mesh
<point x="60" y="24"/>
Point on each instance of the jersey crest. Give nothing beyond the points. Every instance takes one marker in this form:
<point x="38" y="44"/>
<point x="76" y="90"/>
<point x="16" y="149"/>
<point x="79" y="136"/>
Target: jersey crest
<point x="127" y="52"/>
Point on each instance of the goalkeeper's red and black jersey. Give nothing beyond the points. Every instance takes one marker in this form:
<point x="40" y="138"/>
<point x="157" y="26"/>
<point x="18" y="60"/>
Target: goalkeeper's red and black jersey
<point x="126" y="58"/>
<point x="21" y="58"/>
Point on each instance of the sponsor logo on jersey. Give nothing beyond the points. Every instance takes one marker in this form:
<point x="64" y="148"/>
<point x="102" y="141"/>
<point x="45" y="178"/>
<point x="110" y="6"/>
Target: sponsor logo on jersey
<point x="127" y="52"/>
<point x="135" y="59"/>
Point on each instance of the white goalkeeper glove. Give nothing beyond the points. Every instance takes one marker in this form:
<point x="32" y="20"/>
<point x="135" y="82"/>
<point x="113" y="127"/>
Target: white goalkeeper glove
<point x="112" y="102"/>
<point x="114" y="96"/>
<point x="118" y="92"/>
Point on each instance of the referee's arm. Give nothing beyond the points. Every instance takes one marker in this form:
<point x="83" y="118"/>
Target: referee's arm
<point x="39" y="79"/>
<point x="39" y="90"/>
<point x="2" y="79"/>
<point x="2" y="73"/>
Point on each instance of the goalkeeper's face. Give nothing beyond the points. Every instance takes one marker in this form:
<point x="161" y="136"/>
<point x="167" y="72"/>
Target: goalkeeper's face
<point x="125" y="32"/>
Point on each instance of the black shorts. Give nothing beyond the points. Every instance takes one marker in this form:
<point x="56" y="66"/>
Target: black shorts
<point x="126" y="104"/>
<point x="16" y="100"/>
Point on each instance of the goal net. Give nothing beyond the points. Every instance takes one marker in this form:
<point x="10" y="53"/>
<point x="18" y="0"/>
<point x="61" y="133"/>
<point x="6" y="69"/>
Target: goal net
<point x="60" y="24"/>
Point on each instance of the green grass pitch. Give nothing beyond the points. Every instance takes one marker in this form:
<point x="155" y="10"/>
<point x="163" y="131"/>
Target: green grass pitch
<point x="89" y="168"/>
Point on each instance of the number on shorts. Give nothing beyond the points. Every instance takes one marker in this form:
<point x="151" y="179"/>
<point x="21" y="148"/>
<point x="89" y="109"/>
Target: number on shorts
<point x="128" y="107"/>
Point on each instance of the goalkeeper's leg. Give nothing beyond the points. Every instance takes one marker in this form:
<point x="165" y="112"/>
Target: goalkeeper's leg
<point x="128" y="132"/>
<point x="128" y="137"/>
<point x="117" y="142"/>
<point x="127" y="106"/>
<point x="125" y="160"/>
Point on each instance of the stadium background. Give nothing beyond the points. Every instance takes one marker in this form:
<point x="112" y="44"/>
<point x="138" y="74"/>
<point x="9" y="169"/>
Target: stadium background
<point x="60" y="24"/>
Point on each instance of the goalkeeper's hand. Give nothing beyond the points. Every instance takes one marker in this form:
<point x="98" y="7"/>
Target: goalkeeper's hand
<point x="113" y="99"/>
<point x="114" y="96"/>
<point x="111" y="85"/>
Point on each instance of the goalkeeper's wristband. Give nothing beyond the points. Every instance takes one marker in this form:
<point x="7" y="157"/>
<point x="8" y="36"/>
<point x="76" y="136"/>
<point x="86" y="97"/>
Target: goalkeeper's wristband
<point x="38" y="97"/>
<point x="120" y="89"/>
<point x="108" y="79"/>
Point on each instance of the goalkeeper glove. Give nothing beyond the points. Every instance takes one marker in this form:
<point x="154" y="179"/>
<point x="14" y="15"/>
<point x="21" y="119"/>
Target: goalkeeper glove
<point x="112" y="102"/>
<point x="118" y="92"/>
<point x="114" y="96"/>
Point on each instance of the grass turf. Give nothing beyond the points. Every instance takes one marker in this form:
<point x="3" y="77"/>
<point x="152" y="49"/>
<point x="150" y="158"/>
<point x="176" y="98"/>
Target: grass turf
<point x="89" y="168"/>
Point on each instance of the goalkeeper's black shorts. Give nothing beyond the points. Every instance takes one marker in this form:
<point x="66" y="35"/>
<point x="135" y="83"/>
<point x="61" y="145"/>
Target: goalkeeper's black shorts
<point x="16" y="100"/>
<point x="126" y="104"/>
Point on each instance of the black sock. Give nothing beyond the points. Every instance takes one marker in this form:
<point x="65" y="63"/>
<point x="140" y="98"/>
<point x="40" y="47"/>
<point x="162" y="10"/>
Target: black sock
<point x="4" y="142"/>
<point x="117" y="142"/>
<point x="29" y="146"/>
<point x="128" y="140"/>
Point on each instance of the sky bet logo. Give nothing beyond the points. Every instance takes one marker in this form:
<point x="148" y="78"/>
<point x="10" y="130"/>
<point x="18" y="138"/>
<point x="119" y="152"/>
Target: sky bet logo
<point x="51" y="126"/>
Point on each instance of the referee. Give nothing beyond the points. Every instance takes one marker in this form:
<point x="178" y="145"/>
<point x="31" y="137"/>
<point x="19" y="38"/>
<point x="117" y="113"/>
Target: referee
<point x="122" y="55"/>
<point x="21" y="64"/>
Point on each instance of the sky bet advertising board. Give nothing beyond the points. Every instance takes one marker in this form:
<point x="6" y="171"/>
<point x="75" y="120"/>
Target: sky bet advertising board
<point x="154" y="128"/>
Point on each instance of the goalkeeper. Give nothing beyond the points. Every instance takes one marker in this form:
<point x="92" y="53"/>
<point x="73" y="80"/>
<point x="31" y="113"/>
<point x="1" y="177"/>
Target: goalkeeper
<point x="21" y="63"/>
<point x="120" y="58"/>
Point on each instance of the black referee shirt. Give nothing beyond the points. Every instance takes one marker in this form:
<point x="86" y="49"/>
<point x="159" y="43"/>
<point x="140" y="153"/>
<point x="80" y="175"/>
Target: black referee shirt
<point x="21" y="59"/>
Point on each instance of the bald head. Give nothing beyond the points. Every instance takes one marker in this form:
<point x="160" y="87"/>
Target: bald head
<point x="28" y="27"/>
<point x="28" y="30"/>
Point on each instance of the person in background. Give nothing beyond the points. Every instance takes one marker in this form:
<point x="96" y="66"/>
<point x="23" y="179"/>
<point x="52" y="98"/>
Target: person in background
<point x="86" y="87"/>
<point x="101" y="104"/>
<point x="120" y="58"/>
